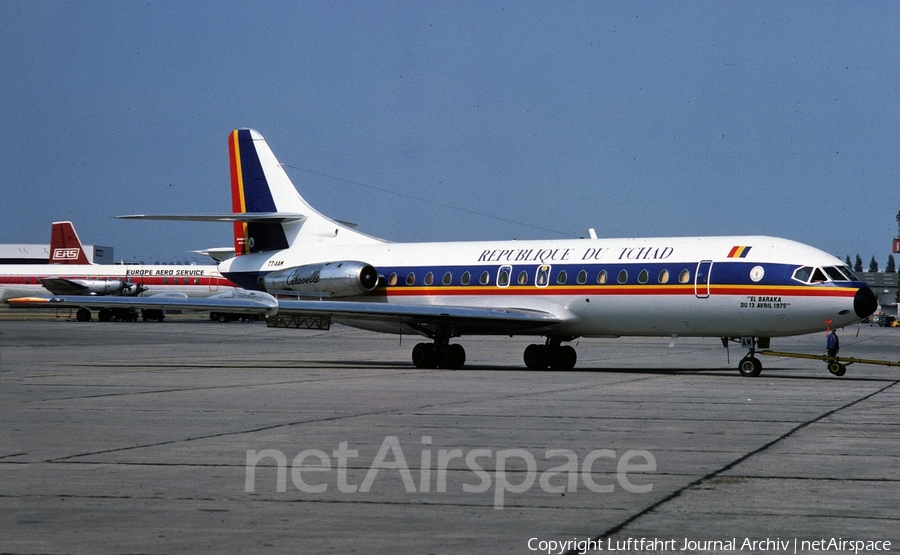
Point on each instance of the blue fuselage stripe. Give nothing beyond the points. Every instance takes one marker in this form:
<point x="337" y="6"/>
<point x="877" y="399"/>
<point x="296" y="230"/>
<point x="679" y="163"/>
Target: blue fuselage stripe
<point x="727" y="273"/>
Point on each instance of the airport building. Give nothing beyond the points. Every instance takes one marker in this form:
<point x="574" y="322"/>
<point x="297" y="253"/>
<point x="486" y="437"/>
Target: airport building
<point x="885" y="286"/>
<point x="25" y="253"/>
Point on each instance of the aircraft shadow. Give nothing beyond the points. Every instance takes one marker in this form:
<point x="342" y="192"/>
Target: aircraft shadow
<point x="767" y="374"/>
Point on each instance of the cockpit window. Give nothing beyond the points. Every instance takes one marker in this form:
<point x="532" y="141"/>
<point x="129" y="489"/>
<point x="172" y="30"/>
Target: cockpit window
<point x="835" y="274"/>
<point x="802" y="274"/>
<point x="807" y="274"/>
<point x="849" y="273"/>
<point x="818" y="276"/>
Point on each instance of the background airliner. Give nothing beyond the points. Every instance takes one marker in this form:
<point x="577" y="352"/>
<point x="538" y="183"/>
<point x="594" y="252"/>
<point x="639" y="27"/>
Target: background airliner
<point x="319" y="271"/>
<point x="71" y="274"/>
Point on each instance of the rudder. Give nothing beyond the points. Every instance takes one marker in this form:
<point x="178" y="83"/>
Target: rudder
<point x="250" y="192"/>
<point x="65" y="246"/>
<point x="260" y="187"/>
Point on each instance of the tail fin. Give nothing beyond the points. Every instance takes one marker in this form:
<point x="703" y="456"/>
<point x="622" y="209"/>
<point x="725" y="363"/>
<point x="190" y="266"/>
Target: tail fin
<point x="65" y="247"/>
<point x="260" y="185"/>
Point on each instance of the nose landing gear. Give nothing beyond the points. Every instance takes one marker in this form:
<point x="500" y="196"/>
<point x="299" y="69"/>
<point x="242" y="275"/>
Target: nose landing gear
<point x="749" y="366"/>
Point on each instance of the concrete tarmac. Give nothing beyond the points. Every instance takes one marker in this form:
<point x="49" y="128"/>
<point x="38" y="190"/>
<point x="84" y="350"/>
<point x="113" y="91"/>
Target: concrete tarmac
<point x="193" y="437"/>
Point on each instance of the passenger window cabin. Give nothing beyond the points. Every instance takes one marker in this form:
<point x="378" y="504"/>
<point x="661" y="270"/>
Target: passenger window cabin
<point x="503" y="276"/>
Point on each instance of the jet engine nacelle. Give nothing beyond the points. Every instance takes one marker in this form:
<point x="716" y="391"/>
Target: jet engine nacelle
<point x="330" y="279"/>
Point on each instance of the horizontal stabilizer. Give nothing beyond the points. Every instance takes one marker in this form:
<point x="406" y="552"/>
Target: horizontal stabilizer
<point x="217" y="253"/>
<point x="270" y="217"/>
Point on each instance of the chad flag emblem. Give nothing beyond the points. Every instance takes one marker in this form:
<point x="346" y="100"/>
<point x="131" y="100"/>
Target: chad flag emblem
<point x="739" y="251"/>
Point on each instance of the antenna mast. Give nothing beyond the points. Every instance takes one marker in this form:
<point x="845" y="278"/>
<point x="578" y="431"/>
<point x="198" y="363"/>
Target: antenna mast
<point x="896" y="246"/>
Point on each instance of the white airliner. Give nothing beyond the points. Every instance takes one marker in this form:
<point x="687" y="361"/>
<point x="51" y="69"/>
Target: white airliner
<point x="321" y="271"/>
<point x="71" y="274"/>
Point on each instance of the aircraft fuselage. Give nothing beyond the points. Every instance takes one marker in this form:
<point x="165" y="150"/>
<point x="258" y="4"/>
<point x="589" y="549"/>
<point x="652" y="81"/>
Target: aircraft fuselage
<point x="688" y="286"/>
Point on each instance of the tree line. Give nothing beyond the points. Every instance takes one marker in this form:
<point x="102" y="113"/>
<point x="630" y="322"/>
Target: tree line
<point x="873" y="264"/>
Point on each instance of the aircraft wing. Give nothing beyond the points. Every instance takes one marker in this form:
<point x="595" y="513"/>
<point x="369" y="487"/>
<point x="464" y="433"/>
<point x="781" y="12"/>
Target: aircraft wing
<point x="63" y="286"/>
<point x="420" y="317"/>
<point x="237" y="301"/>
<point x="372" y="315"/>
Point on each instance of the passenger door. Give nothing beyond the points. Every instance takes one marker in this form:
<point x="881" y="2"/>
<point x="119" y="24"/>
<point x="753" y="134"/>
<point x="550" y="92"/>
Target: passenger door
<point x="702" y="279"/>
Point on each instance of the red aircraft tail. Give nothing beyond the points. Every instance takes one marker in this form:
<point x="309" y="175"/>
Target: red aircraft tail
<point x="65" y="247"/>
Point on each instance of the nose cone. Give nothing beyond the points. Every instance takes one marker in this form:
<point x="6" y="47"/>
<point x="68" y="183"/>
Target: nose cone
<point x="864" y="302"/>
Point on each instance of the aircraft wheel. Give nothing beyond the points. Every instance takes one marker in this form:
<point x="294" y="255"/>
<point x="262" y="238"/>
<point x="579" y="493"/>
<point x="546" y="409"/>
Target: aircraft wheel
<point x="105" y="315"/>
<point x="837" y="368"/>
<point x="750" y="367"/>
<point x="83" y="315"/>
<point x="563" y="358"/>
<point x="450" y="356"/>
<point x="443" y="356"/>
<point x="423" y="356"/>
<point x="536" y="357"/>
<point x="457" y="356"/>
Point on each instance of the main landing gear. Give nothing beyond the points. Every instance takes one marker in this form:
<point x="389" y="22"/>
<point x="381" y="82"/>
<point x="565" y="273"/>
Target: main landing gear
<point x="440" y="354"/>
<point x="435" y="355"/>
<point x="551" y="354"/>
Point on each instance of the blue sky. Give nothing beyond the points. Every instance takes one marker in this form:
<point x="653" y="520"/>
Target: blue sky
<point x="457" y="120"/>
